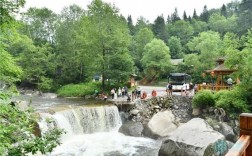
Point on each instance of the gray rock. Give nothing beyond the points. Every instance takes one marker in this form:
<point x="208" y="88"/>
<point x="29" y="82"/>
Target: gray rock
<point x="22" y="105"/>
<point x="160" y="125"/>
<point x="196" y="112"/>
<point x="134" y="112"/>
<point x="194" y="138"/>
<point x="228" y="132"/>
<point x="132" y="129"/>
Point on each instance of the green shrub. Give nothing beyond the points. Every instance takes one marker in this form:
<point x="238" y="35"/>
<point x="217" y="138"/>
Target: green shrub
<point x="16" y="133"/>
<point x="203" y="99"/>
<point x="233" y="101"/>
<point x="79" y="90"/>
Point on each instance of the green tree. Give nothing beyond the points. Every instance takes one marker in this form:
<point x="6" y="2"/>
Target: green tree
<point x="241" y="61"/>
<point x="195" y="16"/>
<point x="16" y="126"/>
<point x="198" y="26"/>
<point x="185" y="16"/>
<point x="231" y="41"/>
<point x="142" y="23"/>
<point x="130" y="25"/>
<point x="7" y="7"/>
<point x="222" y="24"/>
<point x="16" y="133"/>
<point x="208" y="45"/>
<point x="194" y="67"/>
<point x="40" y="25"/>
<point x="38" y="64"/>
<point x="70" y="52"/>
<point x="181" y="29"/>
<point x="159" y="29"/>
<point x="121" y="67"/>
<point x="175" y="47"/>
<point x="168" y="20"/>
<point x="245" y="16"/>
<point x="204" y="16"/>
<point x="156" y="59"/>
<point x="9" y="71"/>
<point x="232" y="8"/>
<point x="143" y="37"/>
<point x="106" y="35"/>
<point x="223" y="11"/>
<point x="174" y="16"/>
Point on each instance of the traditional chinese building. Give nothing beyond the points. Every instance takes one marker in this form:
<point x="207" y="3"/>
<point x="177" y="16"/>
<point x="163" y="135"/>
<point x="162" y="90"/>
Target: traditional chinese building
<point x="218" y="74"/>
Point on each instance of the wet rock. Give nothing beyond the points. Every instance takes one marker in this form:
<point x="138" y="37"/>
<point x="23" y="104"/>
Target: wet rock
<point x="36" y="130"/>
<point x="132" y="129"/>
<point x="196" y="112"/>
<point x="228" y="132"/>
<point x="134" y="112"/>
<point x="22" y="105"/>
<point x="160" y="125"/>
<point x="194" y="138"/>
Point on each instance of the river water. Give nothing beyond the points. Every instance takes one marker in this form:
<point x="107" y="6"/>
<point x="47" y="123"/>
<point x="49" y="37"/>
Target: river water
<point x="91" y="126"/>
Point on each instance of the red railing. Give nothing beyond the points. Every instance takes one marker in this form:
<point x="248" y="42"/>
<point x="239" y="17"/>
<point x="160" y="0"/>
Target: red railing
<point x="243" y="147"/>
<point x="212" y="87"/>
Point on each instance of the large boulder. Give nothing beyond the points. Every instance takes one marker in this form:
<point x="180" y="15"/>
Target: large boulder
<point x="22" y="105"/>
<point x="160" y="125"/>
<point x="228" y="132"/>
<point x="194" y="138"/>
<point x="131" y="128"/>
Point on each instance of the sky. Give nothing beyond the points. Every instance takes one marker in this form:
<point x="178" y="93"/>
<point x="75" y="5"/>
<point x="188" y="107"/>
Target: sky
<point x="149" y="9"/>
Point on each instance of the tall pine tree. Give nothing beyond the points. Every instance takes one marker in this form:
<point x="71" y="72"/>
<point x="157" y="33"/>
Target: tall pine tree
<point x="195" y="16"/>
<point x="204" y="16"/>
<point x="245" y="16"/>
<point x="185" y="16"/>
<point x="130" y="25"/>
<point x="174" y="16"/>
<point x="159" y="30"/>
<point x="223" y="11"/>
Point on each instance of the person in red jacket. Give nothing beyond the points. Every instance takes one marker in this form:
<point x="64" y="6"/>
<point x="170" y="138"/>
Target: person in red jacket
<point x="154" y="93"/>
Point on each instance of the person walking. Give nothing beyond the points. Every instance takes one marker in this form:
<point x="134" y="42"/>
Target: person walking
<point x="154" y="93"/>
<point x="112" y="92"/>
<point x="170" y="90"/>
<point x="119" y="92"/>
<point x="229" y="82"/>
<point x="123" y="92"/>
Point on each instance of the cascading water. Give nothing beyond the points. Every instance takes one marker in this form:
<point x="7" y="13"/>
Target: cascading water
<point x="93" y="131"/>
<point x="86" y="120"/>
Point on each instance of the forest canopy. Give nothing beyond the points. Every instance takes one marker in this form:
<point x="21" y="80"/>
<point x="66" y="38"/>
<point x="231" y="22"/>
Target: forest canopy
<point x="76" y="44"/>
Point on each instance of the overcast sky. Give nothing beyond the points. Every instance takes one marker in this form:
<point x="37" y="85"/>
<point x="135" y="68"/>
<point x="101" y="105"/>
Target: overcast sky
<point x="149" y="9"/>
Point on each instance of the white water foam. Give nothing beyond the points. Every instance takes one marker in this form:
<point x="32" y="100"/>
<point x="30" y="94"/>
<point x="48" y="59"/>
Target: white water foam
<point x="93" y="131"/>
<point x="106" y="144"/>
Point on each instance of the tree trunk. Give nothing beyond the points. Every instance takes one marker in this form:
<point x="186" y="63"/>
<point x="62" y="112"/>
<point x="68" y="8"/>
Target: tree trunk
<point x="103" y="68"/>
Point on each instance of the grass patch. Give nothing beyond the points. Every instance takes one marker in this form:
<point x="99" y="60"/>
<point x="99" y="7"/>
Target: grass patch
<point x="78" y="90"/>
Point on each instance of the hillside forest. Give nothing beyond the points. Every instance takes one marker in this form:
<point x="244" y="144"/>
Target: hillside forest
<point x="46" y="50"/>
<point x="43" y="50"/>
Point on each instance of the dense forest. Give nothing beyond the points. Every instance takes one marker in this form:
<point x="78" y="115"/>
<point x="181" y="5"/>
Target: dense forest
<point x="45" y="50"/>
<point x="52" y="50"/>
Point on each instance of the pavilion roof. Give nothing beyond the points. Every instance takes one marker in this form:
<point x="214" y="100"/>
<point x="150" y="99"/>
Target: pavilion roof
<point x="221" y="69"/>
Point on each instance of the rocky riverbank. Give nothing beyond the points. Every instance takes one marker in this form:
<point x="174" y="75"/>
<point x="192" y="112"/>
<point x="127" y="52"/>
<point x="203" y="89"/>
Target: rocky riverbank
<point x="164" y="118"/>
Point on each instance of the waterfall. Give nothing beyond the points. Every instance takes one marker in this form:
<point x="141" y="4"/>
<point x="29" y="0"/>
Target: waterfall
<point x="93" y="131"/>
<point x="85" y="119"/>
